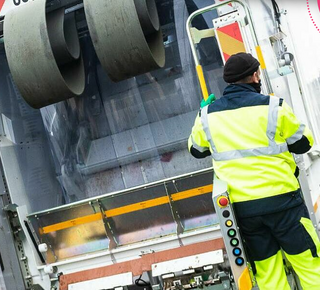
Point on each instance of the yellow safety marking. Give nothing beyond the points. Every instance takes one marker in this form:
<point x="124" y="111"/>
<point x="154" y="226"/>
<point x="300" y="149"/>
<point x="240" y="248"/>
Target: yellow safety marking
<point x="316" y="205"/>
<point x="230" y="45"/>
<point x="192" y="192"/>
<point x="127" y="209"/>
<point x="244" y="281"/>
<point x="71" y="223"/>
<point x="260" y="57"/>
<point x="202" y="82"/>
<point x="137" y="206"/>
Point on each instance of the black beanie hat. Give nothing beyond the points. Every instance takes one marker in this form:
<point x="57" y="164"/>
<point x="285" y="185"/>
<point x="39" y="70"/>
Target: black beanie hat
<point x="239" y="66"/>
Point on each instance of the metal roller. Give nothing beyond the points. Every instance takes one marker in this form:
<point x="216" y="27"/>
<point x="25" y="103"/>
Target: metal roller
<point x="148" y="15"/>
<point x="63" y="35"/>
<point x="117" y="35"/>
<point x="32" y="61"/>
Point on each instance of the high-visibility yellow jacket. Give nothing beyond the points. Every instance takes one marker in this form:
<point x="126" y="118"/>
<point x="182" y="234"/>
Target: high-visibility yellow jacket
<point x="250" y="137"/>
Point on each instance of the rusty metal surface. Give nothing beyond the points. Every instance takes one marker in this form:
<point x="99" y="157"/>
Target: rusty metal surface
<point x="122" y="48"/>
<point x="33" y="66"/>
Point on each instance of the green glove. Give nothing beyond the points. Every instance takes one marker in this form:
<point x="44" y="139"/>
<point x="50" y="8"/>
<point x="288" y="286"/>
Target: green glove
<point x="209" y="101"/>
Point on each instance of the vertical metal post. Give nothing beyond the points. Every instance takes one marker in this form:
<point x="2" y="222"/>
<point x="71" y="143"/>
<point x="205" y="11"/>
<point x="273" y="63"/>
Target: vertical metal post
<point x="10" y="274"/>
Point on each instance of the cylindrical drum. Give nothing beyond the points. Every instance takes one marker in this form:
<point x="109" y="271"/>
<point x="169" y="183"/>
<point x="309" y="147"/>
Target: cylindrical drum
<point x="33" y="63"/>
<point x="127" y="43"/>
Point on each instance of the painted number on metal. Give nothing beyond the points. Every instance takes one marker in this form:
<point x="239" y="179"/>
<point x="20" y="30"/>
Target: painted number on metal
<point x="7" y="5"/>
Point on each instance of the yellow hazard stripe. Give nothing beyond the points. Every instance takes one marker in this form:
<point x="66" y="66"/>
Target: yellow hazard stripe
<point x="244" y="281"/>
<point x="230" y="45"/>
<point x="202" y="82"/>
<point x="192" y="192"/>
<point x="71" y="223"/>
<point x="127" y="209"/>
<point x="260" y="57"/>
<point x="137" y="206"/>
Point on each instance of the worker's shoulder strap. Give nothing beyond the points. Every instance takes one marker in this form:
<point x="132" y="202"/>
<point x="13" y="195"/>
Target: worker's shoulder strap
<point x="272" y="149"/>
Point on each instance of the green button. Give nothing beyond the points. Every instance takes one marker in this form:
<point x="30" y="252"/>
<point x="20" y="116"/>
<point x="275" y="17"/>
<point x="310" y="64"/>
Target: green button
<point x="234" y="242"/>
<point x="231" y="233"/>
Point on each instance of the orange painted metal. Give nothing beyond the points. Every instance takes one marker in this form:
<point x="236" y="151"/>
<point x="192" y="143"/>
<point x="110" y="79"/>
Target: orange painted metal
<point x="1" y="4"/>
<point x="230" y="40"/>
<point x="316" y="205"/>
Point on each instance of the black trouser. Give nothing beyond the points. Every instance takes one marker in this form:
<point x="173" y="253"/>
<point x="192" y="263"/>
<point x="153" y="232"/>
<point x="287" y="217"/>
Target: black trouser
<point x="264" y="235"/>
<point x="290" y="230"/>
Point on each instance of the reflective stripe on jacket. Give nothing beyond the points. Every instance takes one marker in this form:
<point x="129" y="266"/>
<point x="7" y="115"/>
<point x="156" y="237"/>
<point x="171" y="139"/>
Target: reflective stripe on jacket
<point x="249" y="136"/>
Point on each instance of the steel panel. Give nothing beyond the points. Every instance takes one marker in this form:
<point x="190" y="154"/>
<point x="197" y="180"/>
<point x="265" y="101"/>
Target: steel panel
<point x="70" y="242"/>
<point x="126" y="217"/>
<point x="11" y="274"/>
<point x="191" y="262"/>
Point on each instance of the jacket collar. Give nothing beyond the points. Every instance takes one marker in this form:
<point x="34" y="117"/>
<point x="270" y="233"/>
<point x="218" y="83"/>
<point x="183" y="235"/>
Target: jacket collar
<point x="232" y="90"/>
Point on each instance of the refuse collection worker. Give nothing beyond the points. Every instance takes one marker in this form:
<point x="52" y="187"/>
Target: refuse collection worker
<point x="250" y="138"/>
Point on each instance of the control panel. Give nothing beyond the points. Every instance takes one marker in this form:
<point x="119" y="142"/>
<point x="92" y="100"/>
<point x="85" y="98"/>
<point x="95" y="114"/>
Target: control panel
<point x="230" y="233"/>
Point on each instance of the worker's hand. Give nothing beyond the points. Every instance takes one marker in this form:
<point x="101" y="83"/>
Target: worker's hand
<point x="209" y="101"/>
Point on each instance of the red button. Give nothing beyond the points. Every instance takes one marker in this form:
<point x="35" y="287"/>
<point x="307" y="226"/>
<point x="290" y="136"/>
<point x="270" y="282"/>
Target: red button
<point x="223" y="201"/>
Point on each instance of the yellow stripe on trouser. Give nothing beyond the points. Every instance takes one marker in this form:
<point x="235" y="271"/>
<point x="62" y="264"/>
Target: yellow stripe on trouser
<point x="271" y="274"/>
<point x="305" y="265"/>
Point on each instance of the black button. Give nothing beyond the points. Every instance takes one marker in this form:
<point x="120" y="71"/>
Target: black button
<point x="226" y="213"/>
